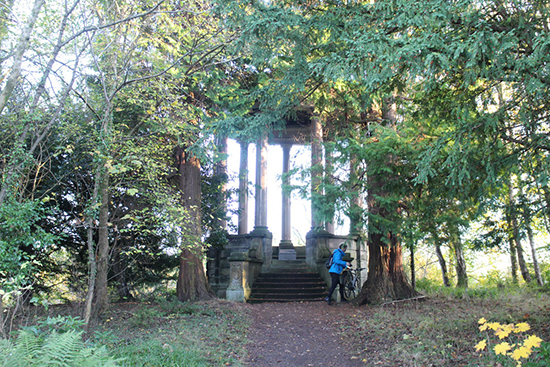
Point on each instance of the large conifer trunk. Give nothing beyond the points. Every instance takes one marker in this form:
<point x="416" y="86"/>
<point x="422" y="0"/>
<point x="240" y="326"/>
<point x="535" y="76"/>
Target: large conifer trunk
<point x="192" y="283"/>
<point x="386" y="279"/>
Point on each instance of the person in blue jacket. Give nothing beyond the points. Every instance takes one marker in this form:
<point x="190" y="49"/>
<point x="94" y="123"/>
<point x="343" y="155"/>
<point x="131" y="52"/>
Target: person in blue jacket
<point x="338" y="265"/>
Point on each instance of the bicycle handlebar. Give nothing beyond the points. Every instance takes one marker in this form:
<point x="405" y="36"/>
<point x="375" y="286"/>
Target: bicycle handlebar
<point x="356" y="269"/>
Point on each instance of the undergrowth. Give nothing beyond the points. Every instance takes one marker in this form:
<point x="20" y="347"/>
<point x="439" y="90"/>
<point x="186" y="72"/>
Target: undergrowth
<point x="171" y="333"/>
<point x="442" y="329"/>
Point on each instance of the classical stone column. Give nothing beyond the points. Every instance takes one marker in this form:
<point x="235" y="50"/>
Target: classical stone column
<point x="286" y="232"/>
<point x="243" y="190"/>
<point x="286" y="249"/>
<point x="221" y="172"/>
<point x="316" y="168"/>
<point x="329" y="225"/>
<point x="260" y="217"/>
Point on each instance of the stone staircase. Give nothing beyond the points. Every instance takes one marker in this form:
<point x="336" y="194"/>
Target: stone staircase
<point x="288" y="281"/>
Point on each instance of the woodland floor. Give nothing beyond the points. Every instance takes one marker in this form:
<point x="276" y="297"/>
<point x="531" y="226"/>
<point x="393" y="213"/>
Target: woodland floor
<point x="302" y="334"/>
<point x="439" y="330"/>
<point x="430" y="332"/>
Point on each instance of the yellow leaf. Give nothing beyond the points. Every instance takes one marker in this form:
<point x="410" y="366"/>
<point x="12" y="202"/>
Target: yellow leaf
<point x="481" y="345"/>
<point x="521" y="352"/>
<point x="493" y="325"/>
<point x="482" y="321"/>
<point x="532" y="341"/>
<point x="501" y="348"/>
<point x="501" y="333"/>
<point x="483" y="327"/>
<point x="521" y="327"/>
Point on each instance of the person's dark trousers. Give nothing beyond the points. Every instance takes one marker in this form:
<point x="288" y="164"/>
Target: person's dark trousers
<point x="335" y="278"/>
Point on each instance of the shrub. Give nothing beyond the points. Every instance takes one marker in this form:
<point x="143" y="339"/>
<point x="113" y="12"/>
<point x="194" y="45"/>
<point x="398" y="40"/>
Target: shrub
<point x="55" y="349"/>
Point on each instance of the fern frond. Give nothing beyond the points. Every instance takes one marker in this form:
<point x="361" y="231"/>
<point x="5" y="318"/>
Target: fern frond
<point x="27" y="349"/>
<point x="95" y="357"/>
<point x="61" y="349"/>
<point x="6" y="351"/>
<point x="64" y="350"/>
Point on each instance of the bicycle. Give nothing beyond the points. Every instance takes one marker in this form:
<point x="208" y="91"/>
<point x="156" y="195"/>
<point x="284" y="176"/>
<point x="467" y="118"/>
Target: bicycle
<point x="350" y="280"/>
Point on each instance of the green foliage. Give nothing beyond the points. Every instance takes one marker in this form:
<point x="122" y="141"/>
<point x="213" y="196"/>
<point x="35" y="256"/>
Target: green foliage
<point x="159" y="353"/>
<point x="181" y="334"/>
<point x="55" y="349"/>
<point x="142" y="317"/>
<point x="172" y="306"/>
<point x="542" y="356"/>
<point x="20" y="238"/>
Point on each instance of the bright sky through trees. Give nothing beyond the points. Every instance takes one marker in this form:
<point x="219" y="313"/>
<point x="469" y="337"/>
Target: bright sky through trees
<point x="300" y="157"/>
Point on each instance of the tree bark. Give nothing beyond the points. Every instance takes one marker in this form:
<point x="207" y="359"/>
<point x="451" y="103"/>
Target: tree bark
<point x="441" y="259"/>
<point x="386" y="280"/>
<point x="513" y="260"/>
<point x="538" y="275"/>
<point x="2" y="332"/>
<point x="192" y="283"/>
<point x="511" y="241"/>
<point x="521" y="258"/>
<point x="103" y="248"/>
<point x="413" y="268"/>
<point x="92" y="263"/>
<point x="456" y="242"/>
<point x="513" y="224"/>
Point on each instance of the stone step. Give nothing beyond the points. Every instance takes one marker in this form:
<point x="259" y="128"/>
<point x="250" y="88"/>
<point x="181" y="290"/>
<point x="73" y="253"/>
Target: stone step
<point x="289" y="283"/>
<point x="279" y="291"/>
<point x="289" y="276"/>
<point x="272" y="300"/>
<point x="293" y="284"/>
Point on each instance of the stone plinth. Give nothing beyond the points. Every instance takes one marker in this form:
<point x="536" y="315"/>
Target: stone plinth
<point x="287" y="250"/>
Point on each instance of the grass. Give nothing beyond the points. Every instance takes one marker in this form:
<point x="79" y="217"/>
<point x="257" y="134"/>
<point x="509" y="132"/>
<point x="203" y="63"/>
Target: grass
<point x="171" y="333"/>
<point x="443" y="329"/>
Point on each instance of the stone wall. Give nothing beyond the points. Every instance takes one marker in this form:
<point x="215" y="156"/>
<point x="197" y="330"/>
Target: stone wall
<point x="232" y="270"/>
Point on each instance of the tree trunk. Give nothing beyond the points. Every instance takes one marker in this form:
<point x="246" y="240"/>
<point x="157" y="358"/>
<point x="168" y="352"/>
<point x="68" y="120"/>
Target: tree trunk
<point x="513" y="222"/>
<point x="513" y="260"/>
<point x="521" y="258"/>
<point x="413" y="268"/>
<point x="441" y="259"/>
<point x="538" y="276"/>
<point x="103" y="248"/>
<point x="386" y="278"/>
<point x="511" y="240"/>
<point x="2" y="332"/>
<point x="192" y="283"/>
<point x="461" y="273"/>
<point x="92" y="263"/>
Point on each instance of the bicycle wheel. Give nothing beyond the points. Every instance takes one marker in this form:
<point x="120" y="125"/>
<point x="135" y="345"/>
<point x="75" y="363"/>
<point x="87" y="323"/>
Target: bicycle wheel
<point x="351" y="287"/>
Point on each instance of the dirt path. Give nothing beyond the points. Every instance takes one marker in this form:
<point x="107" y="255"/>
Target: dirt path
<point x="301" y="334"/>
